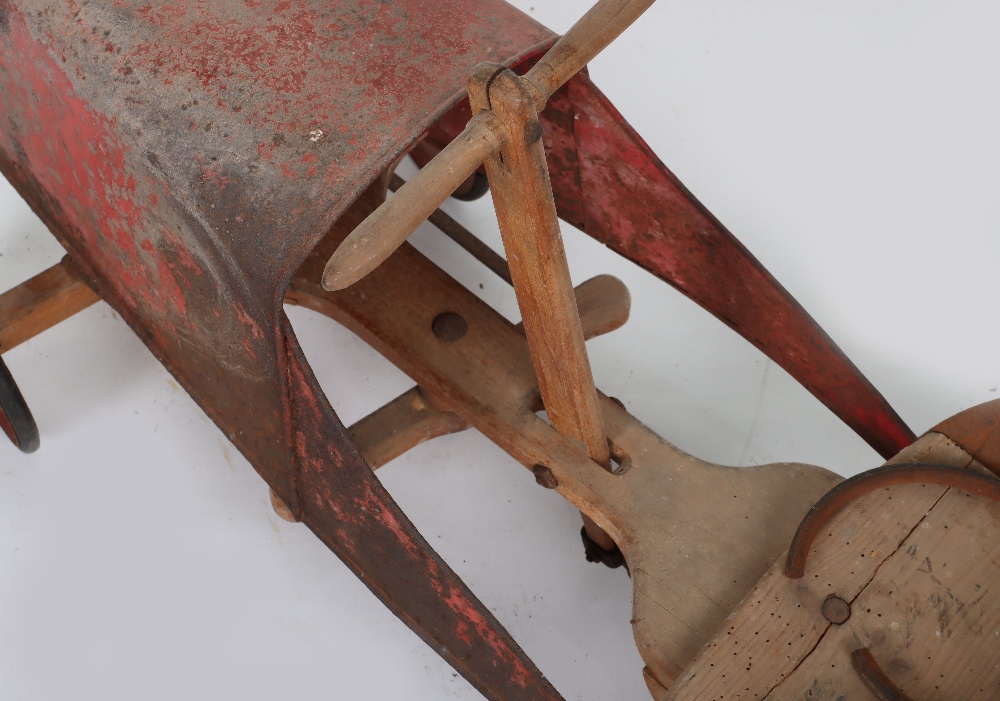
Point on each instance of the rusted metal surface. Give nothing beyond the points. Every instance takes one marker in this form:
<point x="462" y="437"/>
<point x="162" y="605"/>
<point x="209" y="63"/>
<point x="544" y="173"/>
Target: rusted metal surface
<point x="875" y="679"/>
<point x="836" y="610"/>
<point x="189" y="155"/>
<point x="880" y="478"/>
<point x="977" y="432"/>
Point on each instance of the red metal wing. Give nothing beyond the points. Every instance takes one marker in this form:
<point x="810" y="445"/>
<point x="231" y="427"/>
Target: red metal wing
<point x="609" y="183"/>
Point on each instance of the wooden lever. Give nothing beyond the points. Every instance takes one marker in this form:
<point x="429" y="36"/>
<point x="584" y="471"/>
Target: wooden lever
<point x="526" y="213"/>
<point x="388" y="226"/>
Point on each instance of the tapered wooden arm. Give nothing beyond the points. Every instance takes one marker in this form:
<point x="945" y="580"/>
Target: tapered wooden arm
<point x="380" y="234"/>
<point x="591" y="34"/>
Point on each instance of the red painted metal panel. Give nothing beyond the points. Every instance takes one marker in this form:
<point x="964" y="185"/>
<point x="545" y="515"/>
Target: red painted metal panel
<point x="636" y="206"/>
<point x="189" y="155"/>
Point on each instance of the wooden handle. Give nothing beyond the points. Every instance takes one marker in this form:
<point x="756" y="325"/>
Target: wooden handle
<point x="386" y="228"/>
<point x="591" y="34"/>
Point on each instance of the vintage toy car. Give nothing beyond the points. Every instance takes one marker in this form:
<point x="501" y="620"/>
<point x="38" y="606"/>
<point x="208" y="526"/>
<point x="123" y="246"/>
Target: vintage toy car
<point x="217" y="356"/>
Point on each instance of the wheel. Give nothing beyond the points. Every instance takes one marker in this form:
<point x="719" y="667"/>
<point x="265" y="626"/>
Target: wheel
<point x="15" y="416"/>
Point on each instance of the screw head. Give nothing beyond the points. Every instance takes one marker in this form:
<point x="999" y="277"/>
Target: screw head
<point x="544" y="477"/>
<point x="836" y="610"/>
<point x="449" y="327"/>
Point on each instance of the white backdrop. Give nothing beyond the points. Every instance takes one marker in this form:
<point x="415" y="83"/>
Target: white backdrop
<point x="852" y="146"/>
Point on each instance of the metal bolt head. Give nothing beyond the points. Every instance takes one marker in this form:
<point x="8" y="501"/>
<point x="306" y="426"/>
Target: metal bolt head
<point x="544" y="477"/>
<point x="449" y="327"/>
<point x="281" y="509"/>
<point x="533" y="131"/>
<point x="836" y="610"/>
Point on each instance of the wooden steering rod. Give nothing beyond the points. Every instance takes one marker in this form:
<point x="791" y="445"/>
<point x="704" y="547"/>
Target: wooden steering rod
<point x="386" y="228"/>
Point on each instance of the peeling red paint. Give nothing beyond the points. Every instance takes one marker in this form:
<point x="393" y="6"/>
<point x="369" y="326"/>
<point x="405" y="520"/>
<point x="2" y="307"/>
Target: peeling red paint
<point x="377" y="508"/>
<point x="248" y="321"/>
<point x="673" y="236"/>
<point x="467" y="610"/>
<point x="74" y="151"/>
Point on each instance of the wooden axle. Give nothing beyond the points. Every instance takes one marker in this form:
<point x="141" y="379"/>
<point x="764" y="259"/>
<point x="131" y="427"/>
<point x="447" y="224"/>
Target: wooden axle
<point x="42" y="302"/>
<point x="26" y="311"/>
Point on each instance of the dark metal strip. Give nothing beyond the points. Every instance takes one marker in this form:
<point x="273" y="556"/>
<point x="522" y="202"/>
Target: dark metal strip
<point x="874" y="678"/>
<point x="15" y="416"/>
<point x="464" y="238"/>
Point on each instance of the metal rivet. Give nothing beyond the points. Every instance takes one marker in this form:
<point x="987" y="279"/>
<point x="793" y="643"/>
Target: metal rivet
<point x="282" y="509"/>
<point x="836" y="610"/>
<point x="544" y="477"/>
<point x="449" y="327"/>
<point x="533" y="131"/>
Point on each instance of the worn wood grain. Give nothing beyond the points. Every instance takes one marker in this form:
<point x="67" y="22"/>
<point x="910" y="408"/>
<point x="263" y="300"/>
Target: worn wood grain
<point x="402" y="424"/>
<point x="387" y="227"/>
<point x="777" y="644"/>
<point x="42" y="302"/>
<point x="977" y="431"/>
<point x="411" y="419"/>
<point x="529" y="225"/>
<point x="589" y="36"/>
<point x="930" y="616"/>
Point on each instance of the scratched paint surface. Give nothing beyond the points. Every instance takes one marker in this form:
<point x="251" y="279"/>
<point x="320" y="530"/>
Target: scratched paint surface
<point x="189" y="155"/>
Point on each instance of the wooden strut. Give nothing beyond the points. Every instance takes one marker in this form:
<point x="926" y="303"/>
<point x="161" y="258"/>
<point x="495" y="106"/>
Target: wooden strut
<point x="529" y="225"/>
<point x="412" y="418"/>
<point x="26" y="311"/>
<point x="42" y="302"/>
